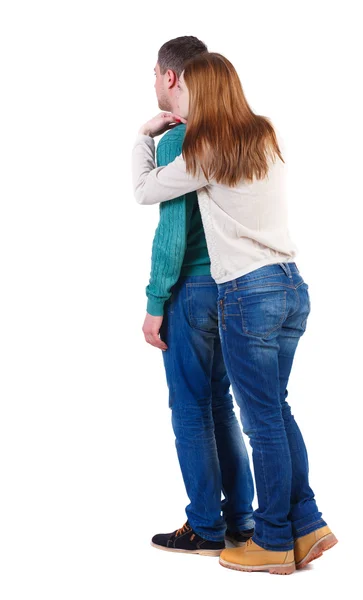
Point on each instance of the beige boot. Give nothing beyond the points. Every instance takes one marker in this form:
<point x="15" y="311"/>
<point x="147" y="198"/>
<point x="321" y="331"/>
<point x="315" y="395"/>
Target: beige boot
<point x="311" y="546"/>
<point x="254" y="558"/>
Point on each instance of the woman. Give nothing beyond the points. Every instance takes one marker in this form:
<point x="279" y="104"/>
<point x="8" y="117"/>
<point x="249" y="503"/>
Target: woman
<point x="232" y="158"/>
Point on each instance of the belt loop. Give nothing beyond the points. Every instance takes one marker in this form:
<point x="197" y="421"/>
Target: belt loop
<point x="234" y="285"/>
<point x="285" y="267"/>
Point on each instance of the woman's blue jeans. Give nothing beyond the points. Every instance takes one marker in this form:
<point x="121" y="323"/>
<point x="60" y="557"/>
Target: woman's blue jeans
<point x="211" y="451"/>
<point x="262" y="317"/>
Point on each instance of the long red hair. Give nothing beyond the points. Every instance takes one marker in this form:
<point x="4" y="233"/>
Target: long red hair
<point x="223" y="136"/>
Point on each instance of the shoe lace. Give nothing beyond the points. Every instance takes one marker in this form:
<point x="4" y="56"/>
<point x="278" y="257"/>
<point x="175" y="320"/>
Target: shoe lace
<point x="182" y="530"/>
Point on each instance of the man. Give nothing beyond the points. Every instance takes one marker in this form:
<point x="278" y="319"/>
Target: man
<point x="182" y="320"/>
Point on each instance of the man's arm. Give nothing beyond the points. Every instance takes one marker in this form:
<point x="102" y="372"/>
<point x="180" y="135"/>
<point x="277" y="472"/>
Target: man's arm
<point x="170" y="239"/>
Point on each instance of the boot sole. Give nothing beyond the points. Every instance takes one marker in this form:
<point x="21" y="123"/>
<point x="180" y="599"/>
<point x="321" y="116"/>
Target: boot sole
<point x="273" y="569"/>
<point x="202" y="552"/>
<point x="325" y="543"/>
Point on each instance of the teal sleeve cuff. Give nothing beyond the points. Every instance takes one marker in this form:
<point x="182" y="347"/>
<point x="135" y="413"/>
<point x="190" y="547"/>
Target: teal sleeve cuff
<point x="155" y="307"/>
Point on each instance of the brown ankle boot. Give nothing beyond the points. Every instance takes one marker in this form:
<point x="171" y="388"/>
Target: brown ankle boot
<point x="254" y="558"/>
<point x="311" y="546"/>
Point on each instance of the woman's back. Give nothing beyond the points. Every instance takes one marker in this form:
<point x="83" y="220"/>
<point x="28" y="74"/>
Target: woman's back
<point x="246" y="226"/>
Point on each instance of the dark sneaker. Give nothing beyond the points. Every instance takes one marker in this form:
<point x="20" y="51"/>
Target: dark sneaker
<point x="186" y="540"/>
<point x="239" y="538"/>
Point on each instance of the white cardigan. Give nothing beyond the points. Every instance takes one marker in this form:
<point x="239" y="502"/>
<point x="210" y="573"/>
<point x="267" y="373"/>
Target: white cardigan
<point x="245" y="227"/>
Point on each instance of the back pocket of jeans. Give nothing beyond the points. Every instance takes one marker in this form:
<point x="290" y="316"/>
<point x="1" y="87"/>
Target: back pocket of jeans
<point x="202" y="306"/>
<point x="262" y="313"/>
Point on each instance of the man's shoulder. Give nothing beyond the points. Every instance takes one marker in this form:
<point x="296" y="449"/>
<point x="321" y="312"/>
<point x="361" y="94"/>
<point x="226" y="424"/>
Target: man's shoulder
<point x="174" y="136"/>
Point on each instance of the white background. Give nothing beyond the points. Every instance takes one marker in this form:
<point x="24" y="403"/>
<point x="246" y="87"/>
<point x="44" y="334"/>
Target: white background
<point x="88" y="466"/>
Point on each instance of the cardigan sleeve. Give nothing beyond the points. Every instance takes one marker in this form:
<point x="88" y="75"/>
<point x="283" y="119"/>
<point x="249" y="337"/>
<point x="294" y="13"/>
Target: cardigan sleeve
<point x="170" y="238"/>
<point x="154" y="184"/>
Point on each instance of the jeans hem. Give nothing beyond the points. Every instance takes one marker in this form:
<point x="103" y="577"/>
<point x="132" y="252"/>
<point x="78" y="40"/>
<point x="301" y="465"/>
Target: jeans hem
<point x="284" y="548"/>
<point x="250" y="524"/>
<point x="310" y="528"/>
<point x="207" y="536"/>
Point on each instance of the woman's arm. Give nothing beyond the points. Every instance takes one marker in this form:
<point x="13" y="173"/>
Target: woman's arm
<point x="157" y="184"/>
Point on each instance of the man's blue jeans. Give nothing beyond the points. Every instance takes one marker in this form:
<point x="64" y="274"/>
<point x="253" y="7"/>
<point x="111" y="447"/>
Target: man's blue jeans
<point x="211" y="451"/>
<point x="262" y="316"/>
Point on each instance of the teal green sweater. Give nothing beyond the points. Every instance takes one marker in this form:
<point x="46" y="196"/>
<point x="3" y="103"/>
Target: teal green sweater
<point x="179" y="246"/>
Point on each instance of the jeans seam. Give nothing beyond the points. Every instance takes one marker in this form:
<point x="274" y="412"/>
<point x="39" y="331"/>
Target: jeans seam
<point x="201" y="284"/>
<point x="223" y="316"/>
<point x="248" y="287"/>
<point x="298" y="299"/>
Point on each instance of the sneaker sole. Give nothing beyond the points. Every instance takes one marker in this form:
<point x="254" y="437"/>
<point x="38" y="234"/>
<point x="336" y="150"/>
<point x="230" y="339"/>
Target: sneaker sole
<point x="273" y="569"/>
<point x="202" y="552"/>
<point x="325" y="543"/>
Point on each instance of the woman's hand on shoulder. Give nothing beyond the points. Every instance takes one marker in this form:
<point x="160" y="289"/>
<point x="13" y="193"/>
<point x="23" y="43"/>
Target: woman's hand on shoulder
<point x="161" y="123"/>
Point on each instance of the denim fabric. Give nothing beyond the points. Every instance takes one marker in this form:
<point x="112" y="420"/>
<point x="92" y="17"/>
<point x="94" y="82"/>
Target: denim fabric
<point x="262" y="317"/>
<point x="211" y="451"/>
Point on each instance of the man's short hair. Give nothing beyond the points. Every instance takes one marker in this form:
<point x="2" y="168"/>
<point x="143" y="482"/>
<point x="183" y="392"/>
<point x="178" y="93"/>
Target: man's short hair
<point x="175" y="53"/>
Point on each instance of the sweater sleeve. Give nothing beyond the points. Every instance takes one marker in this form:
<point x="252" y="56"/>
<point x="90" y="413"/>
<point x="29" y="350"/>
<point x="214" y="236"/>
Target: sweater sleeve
<point x="154" y="184"/>
<point x="170" y="239"/>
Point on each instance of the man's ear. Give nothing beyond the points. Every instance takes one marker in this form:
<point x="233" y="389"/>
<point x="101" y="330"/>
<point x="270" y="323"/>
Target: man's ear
<point x="171" y="78"/>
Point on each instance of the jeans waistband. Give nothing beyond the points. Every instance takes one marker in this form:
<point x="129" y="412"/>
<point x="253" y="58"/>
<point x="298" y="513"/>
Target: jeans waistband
<point x="267" y="270"/>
